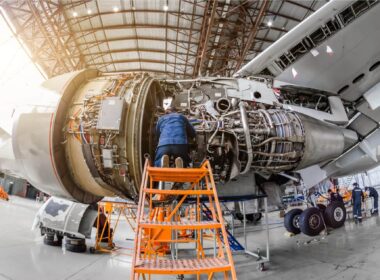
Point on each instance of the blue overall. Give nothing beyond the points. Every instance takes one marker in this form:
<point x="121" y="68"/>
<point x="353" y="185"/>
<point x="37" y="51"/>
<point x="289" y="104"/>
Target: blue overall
<point x="357" y="196"/>
<point x="373" y="193"/>
<point x="173" y="130"/>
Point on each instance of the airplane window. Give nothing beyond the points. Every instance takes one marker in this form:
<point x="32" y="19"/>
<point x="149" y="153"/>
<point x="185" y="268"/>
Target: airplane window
<point x="374" y="66"/>
<point x="343" y="89"/>
<point x="358" y="78"/>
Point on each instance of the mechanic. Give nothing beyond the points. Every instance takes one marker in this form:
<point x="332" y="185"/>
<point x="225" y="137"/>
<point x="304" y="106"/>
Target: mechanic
<point x="372" y="192"/>
<point x="173" y="131"/>
<point x="357" y="197"/>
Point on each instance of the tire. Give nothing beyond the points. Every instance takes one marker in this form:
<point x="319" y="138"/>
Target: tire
<point x="291" y="221"/>
<point x="239" y="216"/>
<point x="49" y="240"/>
<point x="254" y="217"/>
<point x="257" y="217"/>
<point x="76" y="248"/>
<point x="335" y="214"/>
<point x="322" y="207"/>
<point x="311" y="221"/>
<point x="76" y="245"/>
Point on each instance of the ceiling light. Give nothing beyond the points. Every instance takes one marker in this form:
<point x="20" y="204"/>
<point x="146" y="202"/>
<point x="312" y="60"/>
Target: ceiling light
<point x="294" y="72"/>
<point x="165" y="8"/>
<point x="89" y="12"/>
<point x="314" y="52"/>
<point x="115" y="9"/>
<point x="329" y="50"/>
<point x="270" y="23"/>
<point x="75" y="14"/>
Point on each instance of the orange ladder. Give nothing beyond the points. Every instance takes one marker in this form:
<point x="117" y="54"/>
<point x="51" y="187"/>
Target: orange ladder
<point x="3" y="194"/>
<point x="146" y="260"/>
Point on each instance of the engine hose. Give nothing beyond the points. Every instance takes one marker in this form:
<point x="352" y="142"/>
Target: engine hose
<point x="244" y="121"/>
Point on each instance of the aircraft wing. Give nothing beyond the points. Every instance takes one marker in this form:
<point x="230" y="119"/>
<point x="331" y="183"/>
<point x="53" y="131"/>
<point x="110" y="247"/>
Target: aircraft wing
<point x="336" y="50"/>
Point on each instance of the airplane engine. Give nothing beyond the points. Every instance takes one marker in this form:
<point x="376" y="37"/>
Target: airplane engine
<point x="242" y="126"/>
<point x="87" y="137"/>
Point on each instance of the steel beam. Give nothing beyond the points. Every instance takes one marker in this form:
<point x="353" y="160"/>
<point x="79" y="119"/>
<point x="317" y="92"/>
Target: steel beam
<point x="252" y="33"/>
<point x="208" y="22"/>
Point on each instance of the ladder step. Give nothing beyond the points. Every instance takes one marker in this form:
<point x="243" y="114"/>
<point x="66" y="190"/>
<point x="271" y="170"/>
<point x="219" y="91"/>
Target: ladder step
<point x="183" y="266"/>
<point x="179" y="192"/>
<point x="181" y="225"/>
<point x="180" y="175"/>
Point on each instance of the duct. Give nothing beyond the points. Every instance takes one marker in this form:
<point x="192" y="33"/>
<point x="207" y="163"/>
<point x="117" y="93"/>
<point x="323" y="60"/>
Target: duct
<point x="363" y="156"/>
<point x="372" y="97"/>
<point x="338" y="113"/>
<point x="244" y="121"/>
<point x="322" y="142"/>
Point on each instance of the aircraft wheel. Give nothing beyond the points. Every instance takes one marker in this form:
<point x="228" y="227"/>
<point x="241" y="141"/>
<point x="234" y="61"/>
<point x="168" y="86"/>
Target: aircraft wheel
<point x="335" y="214"/>
<point x="291" y="221"/>
<point x="311" y="221"/>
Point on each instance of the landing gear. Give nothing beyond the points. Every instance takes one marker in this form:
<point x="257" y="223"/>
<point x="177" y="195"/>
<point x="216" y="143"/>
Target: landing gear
<point x="335" y="214"/>
<point x="311" y="221"/>
<point x="291" y="221"/>
<point x="322" y="207"/>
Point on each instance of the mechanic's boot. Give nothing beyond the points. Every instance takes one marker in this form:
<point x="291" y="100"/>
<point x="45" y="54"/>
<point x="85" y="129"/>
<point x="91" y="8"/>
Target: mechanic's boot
<point x="165" y="161"/>
<point x="178" y="162"/>
<point x="356" y="220"/>
<point x="360" y="220"/>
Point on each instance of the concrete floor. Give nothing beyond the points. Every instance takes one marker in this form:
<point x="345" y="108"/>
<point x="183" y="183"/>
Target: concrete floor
<point x="352" y="252"/>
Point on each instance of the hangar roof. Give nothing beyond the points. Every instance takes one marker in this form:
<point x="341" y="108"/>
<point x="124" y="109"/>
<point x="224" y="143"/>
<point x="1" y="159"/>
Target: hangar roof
<point x="177" y="38"/>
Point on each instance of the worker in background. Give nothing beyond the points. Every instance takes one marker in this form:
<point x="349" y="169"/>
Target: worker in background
<point x="173" y="131"/>
<point x="335" y="196"/>
<point x="373" y="193"/>
<point x="357" y="197"/>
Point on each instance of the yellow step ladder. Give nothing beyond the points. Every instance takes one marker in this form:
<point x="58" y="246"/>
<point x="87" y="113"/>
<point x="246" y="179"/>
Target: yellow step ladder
<point x="146" y="260"/>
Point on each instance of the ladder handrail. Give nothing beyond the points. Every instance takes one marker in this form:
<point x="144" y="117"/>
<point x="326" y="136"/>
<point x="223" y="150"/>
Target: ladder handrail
<point x="220" y="214"/>
<point x="140" y="208"/>
<point x="208" y="179"/>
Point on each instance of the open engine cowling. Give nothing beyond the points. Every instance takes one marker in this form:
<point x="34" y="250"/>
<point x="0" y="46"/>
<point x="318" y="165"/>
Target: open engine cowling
<point x="87" y="137"/>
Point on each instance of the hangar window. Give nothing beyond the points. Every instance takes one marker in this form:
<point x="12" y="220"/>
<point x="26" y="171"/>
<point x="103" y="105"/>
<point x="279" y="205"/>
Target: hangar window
<point x="343" y="89"/>
<point x="358" y="78"/>
<point x="374" y="66"/>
